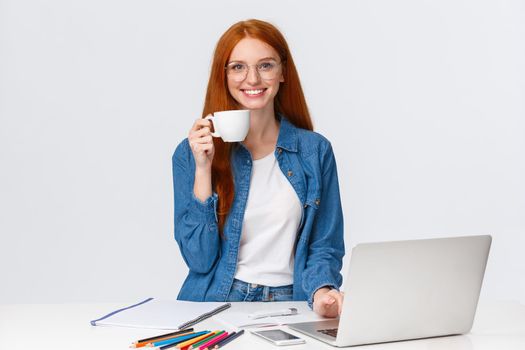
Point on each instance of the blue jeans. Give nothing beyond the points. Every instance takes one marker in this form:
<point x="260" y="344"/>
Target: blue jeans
<point x="242" y="291"/>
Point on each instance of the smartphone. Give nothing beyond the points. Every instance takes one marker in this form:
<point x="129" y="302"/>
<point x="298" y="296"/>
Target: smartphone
<point x="279" y="337"/>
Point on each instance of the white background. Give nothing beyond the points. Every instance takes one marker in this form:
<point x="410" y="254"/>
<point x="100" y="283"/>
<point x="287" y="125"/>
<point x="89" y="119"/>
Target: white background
<point x="422" y="100"/>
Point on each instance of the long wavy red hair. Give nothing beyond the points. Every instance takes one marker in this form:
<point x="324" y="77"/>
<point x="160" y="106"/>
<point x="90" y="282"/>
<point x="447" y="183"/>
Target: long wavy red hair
<point x="289" y="101"/>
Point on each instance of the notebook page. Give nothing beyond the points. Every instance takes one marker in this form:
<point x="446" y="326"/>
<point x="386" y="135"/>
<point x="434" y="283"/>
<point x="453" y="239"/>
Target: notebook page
<point x="159" y="314"/>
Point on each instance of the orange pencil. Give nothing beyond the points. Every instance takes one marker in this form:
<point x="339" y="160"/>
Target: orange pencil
<point x="147" y="342"/>
<point x="191" y="341"/>
<point x="205" y="340"/>
<point x="171" y="343"/>
<point x="171" y="334"/>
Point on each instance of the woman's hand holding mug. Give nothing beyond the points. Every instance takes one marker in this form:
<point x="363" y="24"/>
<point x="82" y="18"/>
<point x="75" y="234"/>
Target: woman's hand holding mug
<point x="201" y="143"/>
<point x="231" y="126"/>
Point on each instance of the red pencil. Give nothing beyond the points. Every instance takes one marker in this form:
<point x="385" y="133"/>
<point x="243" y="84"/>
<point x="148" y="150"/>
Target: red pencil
<point x="215" y="340"/>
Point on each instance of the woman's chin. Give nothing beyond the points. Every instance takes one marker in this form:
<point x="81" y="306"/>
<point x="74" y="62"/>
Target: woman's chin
<point x="253" y="105"/>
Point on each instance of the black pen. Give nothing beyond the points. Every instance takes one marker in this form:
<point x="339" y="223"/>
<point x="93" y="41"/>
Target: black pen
<point x="228" y="339"/>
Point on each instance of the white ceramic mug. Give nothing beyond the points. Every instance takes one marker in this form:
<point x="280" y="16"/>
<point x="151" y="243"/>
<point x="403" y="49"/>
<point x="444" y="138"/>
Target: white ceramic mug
<point x="231" y="126"/>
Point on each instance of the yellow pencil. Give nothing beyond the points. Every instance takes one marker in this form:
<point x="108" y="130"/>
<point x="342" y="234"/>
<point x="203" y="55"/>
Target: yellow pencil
<point x="149" y="342"/>
<point x="191" y="341"/>
<point x="204" y="340"/>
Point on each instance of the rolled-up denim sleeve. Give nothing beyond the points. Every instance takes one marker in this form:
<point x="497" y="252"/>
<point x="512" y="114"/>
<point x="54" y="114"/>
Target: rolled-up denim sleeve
<point x="326" y="246"/>
<point x="196" y="228"/>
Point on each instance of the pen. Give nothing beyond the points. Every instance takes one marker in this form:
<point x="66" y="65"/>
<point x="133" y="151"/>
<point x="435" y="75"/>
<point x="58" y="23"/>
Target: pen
<point x="283" y="312"/>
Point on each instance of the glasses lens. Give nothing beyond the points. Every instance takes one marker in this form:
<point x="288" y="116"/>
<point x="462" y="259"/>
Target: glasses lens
<point x="267" y="69"/>
<point x="237" y="71"/>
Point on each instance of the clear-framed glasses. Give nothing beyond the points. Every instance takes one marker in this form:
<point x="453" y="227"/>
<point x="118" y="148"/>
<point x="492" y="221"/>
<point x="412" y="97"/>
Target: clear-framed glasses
<point x="267" y="70"/>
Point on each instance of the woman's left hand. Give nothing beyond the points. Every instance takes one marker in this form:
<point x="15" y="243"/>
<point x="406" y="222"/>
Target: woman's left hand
<point x="328" y="302"/>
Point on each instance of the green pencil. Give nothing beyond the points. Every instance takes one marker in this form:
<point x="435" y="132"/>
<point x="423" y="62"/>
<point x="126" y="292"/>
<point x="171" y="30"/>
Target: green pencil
<point x="205" y="340"/>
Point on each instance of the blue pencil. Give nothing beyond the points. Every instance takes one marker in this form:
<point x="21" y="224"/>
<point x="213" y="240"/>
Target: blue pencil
<point x="178" y="339"/>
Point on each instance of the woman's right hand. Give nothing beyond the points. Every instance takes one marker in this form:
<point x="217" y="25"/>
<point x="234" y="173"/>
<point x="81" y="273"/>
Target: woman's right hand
<point x="201" y="143"/>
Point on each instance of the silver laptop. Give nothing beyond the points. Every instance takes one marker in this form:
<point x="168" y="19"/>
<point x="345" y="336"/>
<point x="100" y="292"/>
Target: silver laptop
<point x="407" y="290"/>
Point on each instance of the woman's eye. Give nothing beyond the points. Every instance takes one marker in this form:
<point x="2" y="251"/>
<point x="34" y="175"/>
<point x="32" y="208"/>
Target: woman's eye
<point x="237" y="67"/>
<point x="266" y="65"/>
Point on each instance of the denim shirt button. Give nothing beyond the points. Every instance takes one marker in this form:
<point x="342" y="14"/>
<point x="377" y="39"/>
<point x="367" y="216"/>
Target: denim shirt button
<point x="290" y="173"/>
<point x="279" y="150"/>
<point x="317" y="202"/>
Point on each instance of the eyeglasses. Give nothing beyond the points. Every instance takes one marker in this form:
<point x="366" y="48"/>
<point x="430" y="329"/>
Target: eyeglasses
<point x="267" y="69"/>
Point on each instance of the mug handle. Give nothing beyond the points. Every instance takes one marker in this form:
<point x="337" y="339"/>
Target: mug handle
<point x="214" y="134"/>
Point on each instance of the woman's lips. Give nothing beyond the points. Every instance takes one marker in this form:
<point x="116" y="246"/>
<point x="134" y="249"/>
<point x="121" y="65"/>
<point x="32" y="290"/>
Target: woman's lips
<point x="253" y="92"/>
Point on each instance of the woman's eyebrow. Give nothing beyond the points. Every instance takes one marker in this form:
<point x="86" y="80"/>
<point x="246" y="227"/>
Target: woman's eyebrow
<point x="261" y="59"/>
<point x="267" y="58"/>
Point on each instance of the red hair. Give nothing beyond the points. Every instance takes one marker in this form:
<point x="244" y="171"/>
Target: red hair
<point x="289" y="101"/>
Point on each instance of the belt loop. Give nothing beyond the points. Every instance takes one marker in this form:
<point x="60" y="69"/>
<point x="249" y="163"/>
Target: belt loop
<point x="266" y="294"/>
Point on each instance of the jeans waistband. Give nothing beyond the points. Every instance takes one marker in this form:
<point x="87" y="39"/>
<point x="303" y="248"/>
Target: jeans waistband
<point x="244" y="291"/>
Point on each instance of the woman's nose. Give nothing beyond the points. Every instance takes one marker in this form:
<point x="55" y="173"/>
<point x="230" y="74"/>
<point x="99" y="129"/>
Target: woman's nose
<point x="253" y="75"/>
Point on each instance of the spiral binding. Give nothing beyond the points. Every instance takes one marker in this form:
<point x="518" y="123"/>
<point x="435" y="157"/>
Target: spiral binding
<point x="205" y="316"/>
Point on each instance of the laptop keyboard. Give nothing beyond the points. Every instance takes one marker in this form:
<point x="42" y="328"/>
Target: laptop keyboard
<point x="331" y="332"/>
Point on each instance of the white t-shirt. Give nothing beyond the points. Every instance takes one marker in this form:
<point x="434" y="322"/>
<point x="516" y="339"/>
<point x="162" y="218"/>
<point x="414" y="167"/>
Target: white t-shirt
<point x="271" y="220"/>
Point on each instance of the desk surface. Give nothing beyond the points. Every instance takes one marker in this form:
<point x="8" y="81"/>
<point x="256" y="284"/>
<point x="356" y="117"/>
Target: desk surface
<point x="66" y="326"/>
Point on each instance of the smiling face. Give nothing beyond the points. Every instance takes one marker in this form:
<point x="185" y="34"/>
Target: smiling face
<point x="254" y="92"/>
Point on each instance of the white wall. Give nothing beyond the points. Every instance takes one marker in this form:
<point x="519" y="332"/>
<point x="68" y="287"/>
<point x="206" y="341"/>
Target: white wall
<point x="422" y="100"/>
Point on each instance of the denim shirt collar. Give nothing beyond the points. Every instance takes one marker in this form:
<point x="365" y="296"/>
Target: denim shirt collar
<point x="287" y="135"/>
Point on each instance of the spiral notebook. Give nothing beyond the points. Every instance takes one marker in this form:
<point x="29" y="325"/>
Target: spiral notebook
<point x="161" y="314"/>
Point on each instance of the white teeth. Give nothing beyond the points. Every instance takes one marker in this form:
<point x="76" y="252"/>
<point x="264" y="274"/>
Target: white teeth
<point x="253" y="92"/>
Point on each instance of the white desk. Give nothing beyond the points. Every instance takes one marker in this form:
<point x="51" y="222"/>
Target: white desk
<point x="66" y="326"/>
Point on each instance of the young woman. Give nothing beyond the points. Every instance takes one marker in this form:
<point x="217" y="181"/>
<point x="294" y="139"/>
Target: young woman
<point x="259" y="220"/>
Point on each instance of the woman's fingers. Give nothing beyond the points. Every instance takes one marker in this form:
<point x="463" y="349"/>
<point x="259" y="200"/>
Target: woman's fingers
<point x="201" y="143"/>
<point x="200" y="132"/>
<point x="329" y="304"/>
<point x="339" y="297"/>
<point x="200" y="123"/>
<point x="201" y="147"/>
<point x="202" y="139"/>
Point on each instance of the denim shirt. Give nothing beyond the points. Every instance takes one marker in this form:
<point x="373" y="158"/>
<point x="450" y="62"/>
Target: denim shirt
<point x="307" y="161"/>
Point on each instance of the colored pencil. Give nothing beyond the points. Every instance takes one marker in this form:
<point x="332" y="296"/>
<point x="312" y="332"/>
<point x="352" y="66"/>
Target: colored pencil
<point x="174" y="340"/>
<point x="169" y="346"/>
<point x="224" y="341"/>
<point x="209" y="345"/>
<point x="178" y="339"/>
<point x="192" y="341"/>
<point x="228" y="339"/>
<point x="204" y="340"/>
<point x="164" y="335"/>
<point x="145" y="342"/>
